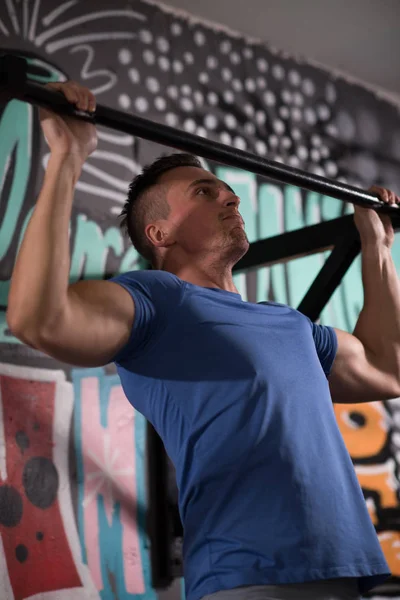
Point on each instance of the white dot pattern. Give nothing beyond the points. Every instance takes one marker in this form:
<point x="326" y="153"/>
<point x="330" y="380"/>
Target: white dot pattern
<point x="250" y="85"/>
<point x="164" y="63"/>
<point x="171" y="119"/>
<point x="261" y="147"/>
<point x="234" y="92"/>
<point x="188" y="58"/>
<point x="199" y="38"/>
<point x="230" y="121"/>
<point x="249" y="128"/>
<point x="176" y="29"/>
<point x="226" y="74"/>
<point x="141" y="104"/>
<point x="225" y="47"/>
<point x="124" y="101"/>
<point x="152" y="85"/>
<point x="186" y="90"/>
<point x="145" y="36"/>
<point x="186" y="104"/>
<point x="149" y="57"/>
<point x="229" y="96"/>
<point x="237" y="85"/>
<point x="160" y="103"/>
<point x="177" y="66"/>
<point x="210" y="121"/>
<point x="162" y="44"/>
<point x="262" y="65"/>
<point x="269" y="98"/>
<point x="199" y="98"/>
<point x="124" y="56"/>
<point x="212" y="98"/>
<point x="212" y="62"/>
<point x="235" y="58"/>
<point x="204" y="78"/>
<point x="226" y="138"/>
<point x="134" y="75"/>
<point x="239" y="143"/>
<point x="190" y="125"/>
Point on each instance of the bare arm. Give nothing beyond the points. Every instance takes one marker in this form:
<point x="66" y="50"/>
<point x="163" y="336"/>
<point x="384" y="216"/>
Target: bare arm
<point x="367" y="366"/>
<point x="86" y="323"/>
<point x="358" y="375"/>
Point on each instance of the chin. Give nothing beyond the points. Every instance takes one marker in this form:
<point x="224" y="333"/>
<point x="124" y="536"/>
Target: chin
<point x="239" y="245"/>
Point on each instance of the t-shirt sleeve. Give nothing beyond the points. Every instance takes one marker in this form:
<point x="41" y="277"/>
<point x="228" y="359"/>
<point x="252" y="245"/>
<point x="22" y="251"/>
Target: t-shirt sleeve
<point x="155" y="295"/>
<point x="326" y="344"/>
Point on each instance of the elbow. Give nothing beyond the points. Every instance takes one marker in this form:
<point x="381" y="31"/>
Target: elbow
<point x="21" y="330"/>
<point x="13" y="323"/>
<point x="396" y="389"/>
<point x="392" y="387"/>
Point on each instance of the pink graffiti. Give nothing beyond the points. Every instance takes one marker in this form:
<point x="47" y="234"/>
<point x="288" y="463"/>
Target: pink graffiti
<point x="109" y="469"/>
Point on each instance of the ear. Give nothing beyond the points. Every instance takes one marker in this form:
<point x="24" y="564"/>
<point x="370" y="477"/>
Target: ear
<point x="159" y="235"/>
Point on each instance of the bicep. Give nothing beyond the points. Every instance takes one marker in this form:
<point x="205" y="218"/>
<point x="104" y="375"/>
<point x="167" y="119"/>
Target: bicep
<point x="95" y="324"/>
<point x="357" y="375"/>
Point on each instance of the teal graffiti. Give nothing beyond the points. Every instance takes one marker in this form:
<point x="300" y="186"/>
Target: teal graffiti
<point x="16" y="136"/>
<point x="91" y="248"/>
<point x="271" y="281"/>
<point x="110" y="536"/>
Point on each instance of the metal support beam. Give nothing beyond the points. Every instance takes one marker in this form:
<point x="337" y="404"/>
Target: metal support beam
<point x="331" y="274"/>
<point x="159" y="521"/>
<point x="294" y="244"/>
<point x="345" y="250"/>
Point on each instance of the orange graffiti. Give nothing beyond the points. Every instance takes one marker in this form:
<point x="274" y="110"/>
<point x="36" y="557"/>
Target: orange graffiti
<point x="390" y="544"/>
<point x="382" y="479"/>
<point x="372" y="510"/>
<point x="368" y="438"/>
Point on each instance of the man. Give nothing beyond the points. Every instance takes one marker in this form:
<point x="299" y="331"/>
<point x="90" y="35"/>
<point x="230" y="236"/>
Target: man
<point x="240" y="393"/>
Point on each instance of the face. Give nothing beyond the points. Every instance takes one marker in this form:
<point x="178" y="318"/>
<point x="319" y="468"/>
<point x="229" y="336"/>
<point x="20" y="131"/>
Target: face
<point x="204" y="216"/>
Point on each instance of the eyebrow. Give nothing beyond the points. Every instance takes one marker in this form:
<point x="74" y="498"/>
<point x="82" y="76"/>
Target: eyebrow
<point x="209" y="180"/>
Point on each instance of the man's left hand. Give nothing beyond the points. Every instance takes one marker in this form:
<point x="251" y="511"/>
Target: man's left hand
<point x="374" y="227"/>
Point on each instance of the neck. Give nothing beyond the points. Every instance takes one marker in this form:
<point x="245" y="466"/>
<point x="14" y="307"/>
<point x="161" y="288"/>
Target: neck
<point x="205" y="273"/>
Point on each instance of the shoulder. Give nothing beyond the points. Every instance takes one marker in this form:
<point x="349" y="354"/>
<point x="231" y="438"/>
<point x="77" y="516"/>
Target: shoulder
<point x="150" y="281"/>
<point x="282" y="308"/>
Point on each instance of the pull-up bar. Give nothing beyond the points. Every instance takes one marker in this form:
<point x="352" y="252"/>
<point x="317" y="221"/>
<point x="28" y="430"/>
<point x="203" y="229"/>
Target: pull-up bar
<point x="14" y="83"/>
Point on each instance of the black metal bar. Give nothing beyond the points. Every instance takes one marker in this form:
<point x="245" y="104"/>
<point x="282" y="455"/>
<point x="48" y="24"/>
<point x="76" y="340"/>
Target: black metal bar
<point x="331" y="274"/>
<point x="346" y="247"/>
<point x="36" y="94"/>
<point x="159" y="518"/>
<point x="293" y="244"/>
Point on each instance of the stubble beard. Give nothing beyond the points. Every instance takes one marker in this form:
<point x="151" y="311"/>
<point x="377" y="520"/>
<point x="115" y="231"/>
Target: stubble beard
<point x="235" y="245"/>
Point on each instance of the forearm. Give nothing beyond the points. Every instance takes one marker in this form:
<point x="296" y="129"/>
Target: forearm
<point x="40" y="277"/>
<point x="378" y="326"/>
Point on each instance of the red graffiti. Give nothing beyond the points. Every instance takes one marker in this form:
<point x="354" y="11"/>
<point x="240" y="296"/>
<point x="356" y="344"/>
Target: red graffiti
<point x="36" y="547"/>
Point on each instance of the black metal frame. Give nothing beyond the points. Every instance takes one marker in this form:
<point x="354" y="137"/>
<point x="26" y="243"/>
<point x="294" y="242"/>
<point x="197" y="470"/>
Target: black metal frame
<point x="340" y="235"/>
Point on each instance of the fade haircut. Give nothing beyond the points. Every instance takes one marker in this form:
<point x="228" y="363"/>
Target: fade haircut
<point x="142" y="207"/>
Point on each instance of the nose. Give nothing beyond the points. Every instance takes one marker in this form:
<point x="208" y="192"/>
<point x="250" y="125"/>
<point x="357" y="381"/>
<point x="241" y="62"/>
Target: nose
<point x="230" y="199"/>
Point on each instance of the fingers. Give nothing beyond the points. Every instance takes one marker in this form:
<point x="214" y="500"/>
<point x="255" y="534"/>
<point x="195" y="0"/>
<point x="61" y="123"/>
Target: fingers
<point x="77" y="94"/>
<point x="385" y="195"/>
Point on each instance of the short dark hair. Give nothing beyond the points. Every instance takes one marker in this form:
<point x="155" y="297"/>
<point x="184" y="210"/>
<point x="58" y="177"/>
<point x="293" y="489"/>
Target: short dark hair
<point x="139" y="209"/>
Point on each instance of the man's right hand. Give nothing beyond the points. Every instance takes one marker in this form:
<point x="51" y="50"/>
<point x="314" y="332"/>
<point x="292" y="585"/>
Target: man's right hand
<point x="67" y="136"/>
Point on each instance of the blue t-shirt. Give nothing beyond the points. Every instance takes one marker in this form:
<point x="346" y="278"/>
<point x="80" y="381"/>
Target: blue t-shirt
<point x="238" y="392"/>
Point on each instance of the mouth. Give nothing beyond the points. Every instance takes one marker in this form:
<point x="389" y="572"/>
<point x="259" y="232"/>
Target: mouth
<point x="236" y="217"/>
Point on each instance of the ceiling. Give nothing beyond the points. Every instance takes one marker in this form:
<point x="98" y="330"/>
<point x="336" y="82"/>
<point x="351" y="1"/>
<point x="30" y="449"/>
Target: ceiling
<point x="358" y="37"/>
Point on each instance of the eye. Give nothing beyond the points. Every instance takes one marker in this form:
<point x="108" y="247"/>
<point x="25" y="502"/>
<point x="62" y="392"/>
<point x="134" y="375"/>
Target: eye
<point x="202" y="191"/>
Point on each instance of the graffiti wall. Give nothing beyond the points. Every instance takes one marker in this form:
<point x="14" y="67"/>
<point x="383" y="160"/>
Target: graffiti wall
<point x="72" y="450"/>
